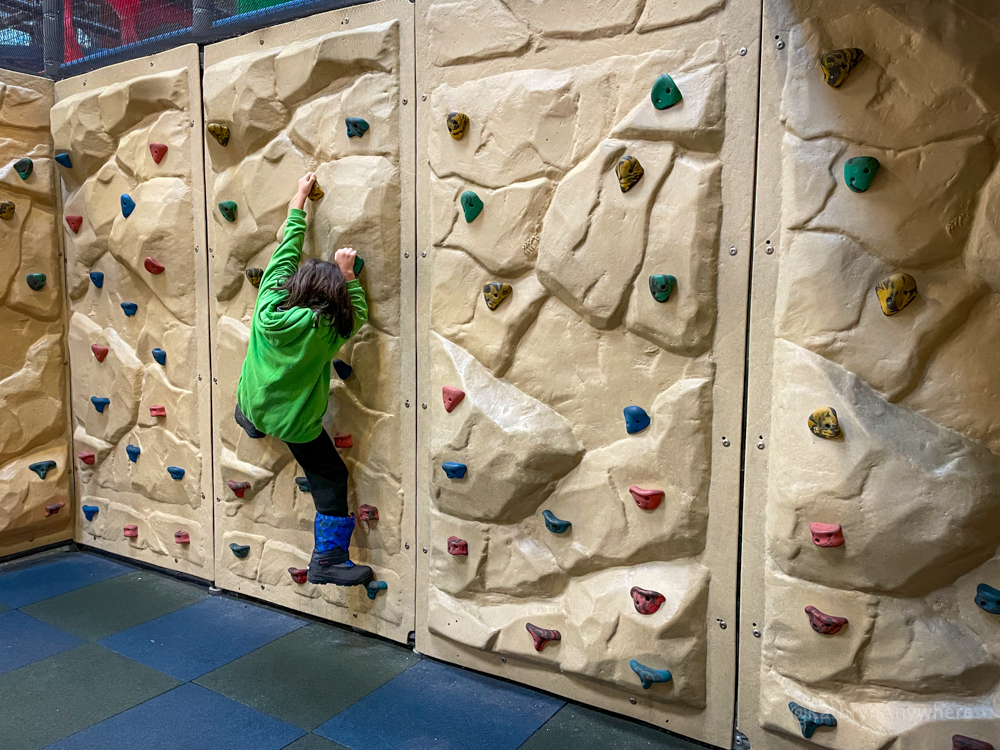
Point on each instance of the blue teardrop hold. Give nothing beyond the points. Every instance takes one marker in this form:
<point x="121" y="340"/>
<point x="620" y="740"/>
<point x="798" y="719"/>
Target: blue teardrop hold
<point x="343" y="369"/>
<point x="133" y="452"/>
<point x="240" y="550"/>
<point x="809" y="720"/>
<point x="648" y="675"/>
<point x="128" y="205"/>
<point x="130" y="308"/>
<point x="454" y="470"/>
<point x="555" y="524"/>
<point x="988" y="599"/>
<point x="90" y="511"/>
<point x="41" y="468"/>
<point x="63" y="158"/>
<point x="176" y="472"/>
<point x="375" y="586"/>
<point x="98" y="278"/>
<point x="302" y="483"/>
<point x="99" y="403"/>
<point x="356" y="127"/>
<point x="160" y="356"/>
<point x="636" y="419"/>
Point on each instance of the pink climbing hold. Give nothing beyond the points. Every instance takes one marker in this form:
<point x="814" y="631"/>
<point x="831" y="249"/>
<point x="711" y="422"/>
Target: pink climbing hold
<point x="343" y="441"/>
<point x="182" y="537"/>
<point x="541" y="636"/>
<point x="74" y="222"/>
<point x="452" y="397"/>
<point x="827" y="534"/>
<point x="238" y="488"/>
<point x="961" y="742"/>
<point x="153" y="266"/>
<point x="157" y="411"/>
<point x="157" y="151"/>
<point x="646" y="602"/>
<point x="51" y="510"/>
<point x="131" y="531"/>
<point x="298" y="574"/>
<point x="823" y="623"/>
<point x="87" y="457"/>
<point x="367" y="513"/>
<point x="99" y="351"/>
<point x="457" y="546"/>
<point x="646" y="499"/>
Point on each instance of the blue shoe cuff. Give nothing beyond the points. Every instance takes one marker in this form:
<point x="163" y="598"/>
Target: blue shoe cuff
<point x="333" y="532"/>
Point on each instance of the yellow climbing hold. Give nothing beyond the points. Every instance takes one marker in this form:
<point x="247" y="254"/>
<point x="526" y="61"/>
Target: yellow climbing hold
<point x="316" y="192"/>
<point x="629" y="172"/>
<point x="823" y="423"/>
<point x="837" y="65"/>
<point x="495" y="293"/>
<point x="896" y="292"/>
<point x="219" y="132"/>
<point x="458" y="123"/>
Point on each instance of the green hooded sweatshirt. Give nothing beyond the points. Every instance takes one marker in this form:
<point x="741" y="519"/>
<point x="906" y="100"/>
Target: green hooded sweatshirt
<point x="285" y="383"/>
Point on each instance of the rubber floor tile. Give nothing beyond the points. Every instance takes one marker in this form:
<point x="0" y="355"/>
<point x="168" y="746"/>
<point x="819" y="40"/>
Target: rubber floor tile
<point x="25" y="640"/>
<point x="311" y="674"/>
<point x="197" y="639"/>
<point x="189" y="718"/>
<point x="120" y="603"/>
<point x="575" y="728"/>
<point x="31" y="584"/>
<point x="54" y="698"/>
<point x="315" y="742"/>
<point x="432" y="705"/>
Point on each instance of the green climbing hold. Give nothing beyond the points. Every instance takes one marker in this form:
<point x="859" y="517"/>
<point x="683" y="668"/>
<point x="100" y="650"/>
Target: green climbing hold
<point x="359" y="263"/>
<point x="661" y="286"/>
<point x="23" y="167"/>
<point x="859" y="172"/>
<point x="665" y="93"/>
<point x="228" y="210"/>
<point x="472" y="204"/>
<point x="36" y="281"/>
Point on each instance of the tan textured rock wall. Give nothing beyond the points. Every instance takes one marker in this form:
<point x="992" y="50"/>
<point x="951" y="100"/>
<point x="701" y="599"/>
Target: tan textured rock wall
<point x="284" y="93"/>
<point x="106" y="121"/>
<point x="914" y="481"/>
<point x="556" y="94"/>
<point x="34" y="416"/>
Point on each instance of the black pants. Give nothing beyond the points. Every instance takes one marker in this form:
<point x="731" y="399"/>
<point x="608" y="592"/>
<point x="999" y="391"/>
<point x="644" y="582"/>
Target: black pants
<point x="323" y="467"/>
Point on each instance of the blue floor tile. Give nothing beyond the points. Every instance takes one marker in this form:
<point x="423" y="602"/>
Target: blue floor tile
<point x="432" y="705"/>
<point x="189" y="717"/>
<point x="32" y="584"/>
<point x="25" y="640"/>
<point x="195" y="640"/>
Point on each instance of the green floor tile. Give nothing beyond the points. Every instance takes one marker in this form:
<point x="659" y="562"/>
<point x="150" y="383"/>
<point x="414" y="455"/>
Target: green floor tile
<point x="56" y="697"/>
<point x="575" y="727"/>
<point x="111" y="606"/>
<point x="310" y="675"/>
<point x="314" y="742"/>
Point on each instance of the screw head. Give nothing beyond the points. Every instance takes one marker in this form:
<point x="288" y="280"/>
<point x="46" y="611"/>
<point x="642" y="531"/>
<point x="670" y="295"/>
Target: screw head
<point x="423" y="406"/>
<point x="732" y="251"/>
<point x="743" y="51"/>
<point x="722" y="624"/>
<point x="407" y="545"/>
<point x="423" y="254"/>
<point x="756" y="633"/>
<point x="760" y="445"/>
<point x="423" y="98"/>
<point x="632" y="701"/>
<point x="769" y="249"/>
<point x="780" y="45"/>
<point x="503" y="659"/>
<point x="425" y="550"/>
<point x="406" y="101"/>
<point x="725" y="442"/>
<point x="406" y="255"/>
<point x="407" y="403"/>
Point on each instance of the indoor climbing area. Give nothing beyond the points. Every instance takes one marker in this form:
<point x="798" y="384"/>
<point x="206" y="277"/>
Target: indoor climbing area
<point x="517" y="374"/>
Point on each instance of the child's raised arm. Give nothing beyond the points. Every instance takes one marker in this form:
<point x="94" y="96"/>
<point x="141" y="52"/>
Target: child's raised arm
<point x="285" y="260"/>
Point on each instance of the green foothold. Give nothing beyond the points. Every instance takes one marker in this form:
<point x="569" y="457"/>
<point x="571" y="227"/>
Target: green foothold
<point x="23" y="167"/>
<point x="665" y="93"/>
<point x="661" y="286"/>
<point x="859" y="172"/>
<point x="36" y="281"/>
<point x="228" y="210"/>
<point x="359" y="263"/>
<point x="472" y="204"/>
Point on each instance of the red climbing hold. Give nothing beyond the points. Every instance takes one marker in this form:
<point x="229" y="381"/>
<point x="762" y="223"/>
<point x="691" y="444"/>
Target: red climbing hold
<point x="961" y="742"/>
<point x="131" y="531"/>
<point x="182" y="537"/>
<point x="827" y="534"/>
<point x="343" y="441"/>
<point x="51" y="510"/>
<point x="152" y="266"/>
<point x="99" y="351"/>
<point x="74" y="222"/>
<point x="298" y="574"/>
<point x="157" y="411"/>
<point x="541" y="636"/>
<point x="367" y="513"/>
<point x="452" y="397"/>
<point x="825" y="624"/>
<point x="158" y="151"/>
<point x="457" y="546"/>
<point x="646" y="499"/>
<point x="87" y="457"/>
<point x="238" y="488"/>
<point x="646" y="602"/>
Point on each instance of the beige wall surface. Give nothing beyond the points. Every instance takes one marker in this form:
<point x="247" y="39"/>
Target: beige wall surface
<point x="284" y="93"/>
<point x="556" y="94"/>
<point x="106" y="122"/>
<point x="34" y="411"/>
<point x="914" y="479"/>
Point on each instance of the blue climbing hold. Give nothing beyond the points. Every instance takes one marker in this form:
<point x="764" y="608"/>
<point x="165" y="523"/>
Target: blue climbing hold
<point x="99" y="403"/>
<point x="133" y="452"/>
<point x="988" y="599"/>
<point x="90" y="511"/>
<point x="356" y="127"/>
<point x="160" y="356"/>
<point x="240" y="550"/>
<point x="375" y="586"/>
<point x="810" y="721"/>
<point x="343" y="369"/>
<point x="648" y="675"/>
<point x="636" y="419"/>
<point x="130" y="308"/>
<point x="302" y="483"/>
<point x="63" y="158"/>
<point x="128" y="205"/>
<point x="176" y="472"/>
<point x="98" y="278"/>
<point x="454" y="470"/>
<point x="41" y="468"/>
<point x="555" y="524"/>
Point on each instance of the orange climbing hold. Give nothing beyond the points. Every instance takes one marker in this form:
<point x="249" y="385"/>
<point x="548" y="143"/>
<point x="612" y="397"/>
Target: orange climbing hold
<point x="158" y="151"/>
<point x="153" y="266"/>
<point x="131" y="531"/>
<point x="74" y="222"/>
<point x="87" y="457"/>
<point x="182" y="537"/>
<point x="238" y="488"/>
<point x="452" y="397"/>
<point x="51" y="510"/>
<point x="343" y="441"/>
<point x="99" y="351"/>
<point x="157" y="411"/>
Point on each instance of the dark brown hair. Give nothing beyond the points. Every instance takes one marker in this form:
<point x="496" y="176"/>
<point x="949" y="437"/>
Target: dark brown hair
<point x="320" y="286"/>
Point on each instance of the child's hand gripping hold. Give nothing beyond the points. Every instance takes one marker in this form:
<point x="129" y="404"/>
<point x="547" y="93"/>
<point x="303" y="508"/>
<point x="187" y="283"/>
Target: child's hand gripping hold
<point x="305" y="185"/>
<point x="344" y="258"/>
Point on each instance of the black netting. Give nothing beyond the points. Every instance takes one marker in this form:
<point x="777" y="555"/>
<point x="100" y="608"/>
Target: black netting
<point x="21" y="45"/>
<point x="101" y="28"/>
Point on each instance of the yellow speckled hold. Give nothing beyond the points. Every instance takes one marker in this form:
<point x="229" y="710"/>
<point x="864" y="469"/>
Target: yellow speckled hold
<point x="495" y="293"/>
<point x="316" y="192"/>
<point x="219" y="132"/>
<point x="6" y="210"/>
<point x="254" y="275"/>
<point x="896" y="292"/>
<point x="629" y="172"/>
<point x="458" y="123"/>
<point x="823" y="423"/>
<point x="837" y="65"/>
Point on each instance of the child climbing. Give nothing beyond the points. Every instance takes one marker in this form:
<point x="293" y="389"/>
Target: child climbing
<point x="303" y="316"/>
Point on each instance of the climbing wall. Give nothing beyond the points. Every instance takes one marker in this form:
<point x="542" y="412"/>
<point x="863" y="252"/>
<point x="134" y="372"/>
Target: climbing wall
<point x="35" y="500"/>
<point x="130" y="158"/>
<point x="581" y="346"/>
<point x="868" y="532"/>
<point x="284" y="94"/>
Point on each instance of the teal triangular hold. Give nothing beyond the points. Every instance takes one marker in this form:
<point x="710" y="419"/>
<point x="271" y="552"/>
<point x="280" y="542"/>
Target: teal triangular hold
<point x="24" y="167"/>
<point x="665" y="93"/>
<point x="375" y="586"/>
<point x="555" y="524"/>
<point x="41" y="468"/>
<point x="240" y="550"/>
<point x="859" y="172"/>
<point x="228" y="210"/>
<point x="302" y="483"/>
<point x="356" y="127"/>
<point x="359" y="263"/>
<point x="472" y="206"/>
<point x="36" y="281"/>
